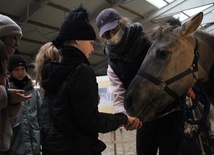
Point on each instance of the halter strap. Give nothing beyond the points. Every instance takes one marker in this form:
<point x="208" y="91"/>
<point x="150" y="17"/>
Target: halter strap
<point x="161" y="83"/>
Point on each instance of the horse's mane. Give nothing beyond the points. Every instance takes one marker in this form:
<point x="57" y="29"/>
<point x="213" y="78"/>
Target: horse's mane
<point x="162" y="28"/>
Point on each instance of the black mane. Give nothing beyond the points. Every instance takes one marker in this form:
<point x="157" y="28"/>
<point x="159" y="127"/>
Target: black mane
<point x="162" y="28"/>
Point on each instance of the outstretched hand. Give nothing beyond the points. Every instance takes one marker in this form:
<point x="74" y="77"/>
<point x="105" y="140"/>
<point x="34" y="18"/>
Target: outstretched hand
<point x="133" y="123"/>
<point x="18" y="96"/>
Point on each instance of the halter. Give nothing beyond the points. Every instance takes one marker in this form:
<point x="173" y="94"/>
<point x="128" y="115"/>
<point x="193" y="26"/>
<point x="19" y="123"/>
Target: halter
<point x="163" y="84"/>
<point x="188" y="112"/>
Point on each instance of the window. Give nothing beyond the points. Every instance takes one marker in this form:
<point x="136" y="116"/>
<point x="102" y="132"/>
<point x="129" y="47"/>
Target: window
<point x="159" y="3"/>
<point x="184" y="15"/>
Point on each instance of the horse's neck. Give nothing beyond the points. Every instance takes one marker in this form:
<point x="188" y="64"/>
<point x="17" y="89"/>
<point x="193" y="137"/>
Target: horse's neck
<point x="206" y="50"/>
<point x="206" y="62"/>
<point x="202" y="73"/>
<point x="207" y="79"/>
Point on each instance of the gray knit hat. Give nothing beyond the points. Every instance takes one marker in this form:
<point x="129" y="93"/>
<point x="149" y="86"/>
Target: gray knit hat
<point x="8" y="27"/>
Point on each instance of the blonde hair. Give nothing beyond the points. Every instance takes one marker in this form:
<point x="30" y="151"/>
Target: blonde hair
<point x="125" y="22"/>
<point x="48" y="52"/>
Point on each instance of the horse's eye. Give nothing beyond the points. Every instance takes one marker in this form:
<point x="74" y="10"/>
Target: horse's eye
<point x="163" y="54"/>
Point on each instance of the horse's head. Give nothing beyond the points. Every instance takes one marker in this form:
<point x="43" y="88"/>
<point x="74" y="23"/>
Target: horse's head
<point x="160" y="78"/>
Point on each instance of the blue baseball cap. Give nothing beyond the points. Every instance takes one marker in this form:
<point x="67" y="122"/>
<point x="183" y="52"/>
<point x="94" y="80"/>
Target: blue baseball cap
<point x="107" y="20"/>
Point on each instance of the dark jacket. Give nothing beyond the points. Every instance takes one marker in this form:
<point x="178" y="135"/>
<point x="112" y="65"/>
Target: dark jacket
<point x="126" y="57"/>
<point x="72" y="93"/>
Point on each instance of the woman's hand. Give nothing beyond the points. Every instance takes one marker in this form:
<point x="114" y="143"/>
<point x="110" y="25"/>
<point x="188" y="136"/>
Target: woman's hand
<point x="133" y="123"/>
<point x="17" y="96"/>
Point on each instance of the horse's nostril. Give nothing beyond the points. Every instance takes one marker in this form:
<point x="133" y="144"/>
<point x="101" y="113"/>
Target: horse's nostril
<point x="128" y="102"/>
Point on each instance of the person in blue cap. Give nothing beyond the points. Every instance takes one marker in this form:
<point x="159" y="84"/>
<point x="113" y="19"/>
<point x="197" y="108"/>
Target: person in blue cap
<point x="126" y="45"/>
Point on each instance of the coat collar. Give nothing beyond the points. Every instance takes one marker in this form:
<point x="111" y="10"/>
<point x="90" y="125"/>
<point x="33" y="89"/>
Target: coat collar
<point x="71" y="53"/>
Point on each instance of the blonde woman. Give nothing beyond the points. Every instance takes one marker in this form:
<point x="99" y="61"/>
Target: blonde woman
<point x="47" y="53"/>
<point x="72" y="92"/>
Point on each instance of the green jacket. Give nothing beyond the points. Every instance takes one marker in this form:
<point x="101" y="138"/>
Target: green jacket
<point x="26" y="129"/>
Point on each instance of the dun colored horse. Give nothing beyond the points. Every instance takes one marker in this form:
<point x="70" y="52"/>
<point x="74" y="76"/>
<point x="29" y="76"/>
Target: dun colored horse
<point x="179" y="56"/>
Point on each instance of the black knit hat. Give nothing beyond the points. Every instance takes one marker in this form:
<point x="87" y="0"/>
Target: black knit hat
<point x="15" y="61"/>
<point x="76" y="26"/>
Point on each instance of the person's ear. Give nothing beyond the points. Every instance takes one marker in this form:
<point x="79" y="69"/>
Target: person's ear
<point x="77" y="42"/>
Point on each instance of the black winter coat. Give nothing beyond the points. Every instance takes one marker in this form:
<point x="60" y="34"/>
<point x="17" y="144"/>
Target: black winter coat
<point x="72" y="96"/>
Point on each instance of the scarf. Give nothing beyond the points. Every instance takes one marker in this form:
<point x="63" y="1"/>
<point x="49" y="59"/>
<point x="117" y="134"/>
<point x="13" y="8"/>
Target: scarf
<point x="21" y="84"/>
<point x="130" y="46"/>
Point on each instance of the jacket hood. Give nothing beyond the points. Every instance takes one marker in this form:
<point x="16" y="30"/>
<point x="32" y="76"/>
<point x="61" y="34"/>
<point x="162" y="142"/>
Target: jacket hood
<point x="55" y="73"/>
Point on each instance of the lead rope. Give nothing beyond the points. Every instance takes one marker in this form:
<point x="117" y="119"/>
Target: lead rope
<point x="199" y="136"/>
<point x="195" y="114"/>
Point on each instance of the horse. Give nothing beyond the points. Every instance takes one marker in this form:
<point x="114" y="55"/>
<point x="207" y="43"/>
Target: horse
<point x="180" y="55"/>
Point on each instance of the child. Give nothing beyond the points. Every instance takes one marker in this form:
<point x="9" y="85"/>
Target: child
<point x="26" y="129"/>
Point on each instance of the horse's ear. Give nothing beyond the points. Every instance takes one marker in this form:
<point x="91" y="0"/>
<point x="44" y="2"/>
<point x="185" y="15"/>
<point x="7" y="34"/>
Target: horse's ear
<point x="191" y="26"/>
